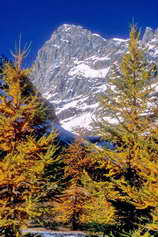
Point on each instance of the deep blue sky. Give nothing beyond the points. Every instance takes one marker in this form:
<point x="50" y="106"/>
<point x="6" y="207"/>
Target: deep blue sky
<point x="37" y="19"/>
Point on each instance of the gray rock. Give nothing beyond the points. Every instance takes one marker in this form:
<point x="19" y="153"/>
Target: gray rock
<point x="73" y="66"/>
<point x="148" y="35"/>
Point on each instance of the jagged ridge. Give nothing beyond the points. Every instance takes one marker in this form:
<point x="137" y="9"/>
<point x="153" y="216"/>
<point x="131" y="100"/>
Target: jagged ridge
<point x="73" y="67"/>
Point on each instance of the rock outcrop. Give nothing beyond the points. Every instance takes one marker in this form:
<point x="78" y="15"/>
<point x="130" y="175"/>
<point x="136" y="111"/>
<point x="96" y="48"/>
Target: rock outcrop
<point x="73" y="66"/>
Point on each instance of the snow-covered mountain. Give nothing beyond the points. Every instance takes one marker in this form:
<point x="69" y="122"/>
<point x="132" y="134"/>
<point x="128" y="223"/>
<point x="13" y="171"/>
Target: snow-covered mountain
<point x="73" y="66"/>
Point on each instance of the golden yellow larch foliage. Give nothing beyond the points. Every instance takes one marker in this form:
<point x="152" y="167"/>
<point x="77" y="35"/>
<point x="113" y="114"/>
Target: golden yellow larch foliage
<point x="76" y="159"/>
<point x="132" y="167"/>
<point x="70" y="207"/>
<point x="98" y="209"/>
<point x="23" y="157"/>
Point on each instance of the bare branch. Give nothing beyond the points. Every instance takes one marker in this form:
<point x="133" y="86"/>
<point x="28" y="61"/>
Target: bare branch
<point x="20" y="53"/>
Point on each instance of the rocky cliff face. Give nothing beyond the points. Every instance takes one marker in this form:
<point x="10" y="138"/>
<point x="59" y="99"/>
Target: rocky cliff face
<point x="73" y="66"/>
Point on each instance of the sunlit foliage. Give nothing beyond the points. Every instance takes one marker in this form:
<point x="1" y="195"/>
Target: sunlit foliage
<point x="129" y="120"/>
<point x="83" y="201"/>
<point x="23" y="157"/>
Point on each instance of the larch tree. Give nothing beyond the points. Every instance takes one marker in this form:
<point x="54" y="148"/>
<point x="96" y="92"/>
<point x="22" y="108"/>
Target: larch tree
<point x="24" y="155"/>
<point x="128" y="119"/>
<point x="83" y="202"/>
<point x="70" y="206"/>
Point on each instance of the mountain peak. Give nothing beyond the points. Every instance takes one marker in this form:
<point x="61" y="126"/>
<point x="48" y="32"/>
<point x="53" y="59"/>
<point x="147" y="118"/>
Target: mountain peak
<point x="74" y="66"/>
<point x="69" y="30"/>
<point x="148" y="34"/>
<point x="69" y="27"/>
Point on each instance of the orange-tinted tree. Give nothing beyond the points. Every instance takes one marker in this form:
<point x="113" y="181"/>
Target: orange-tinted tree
<point x="83" y="201"/>
<point x="70" y="208"/>
<point x="23" y="154"/>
